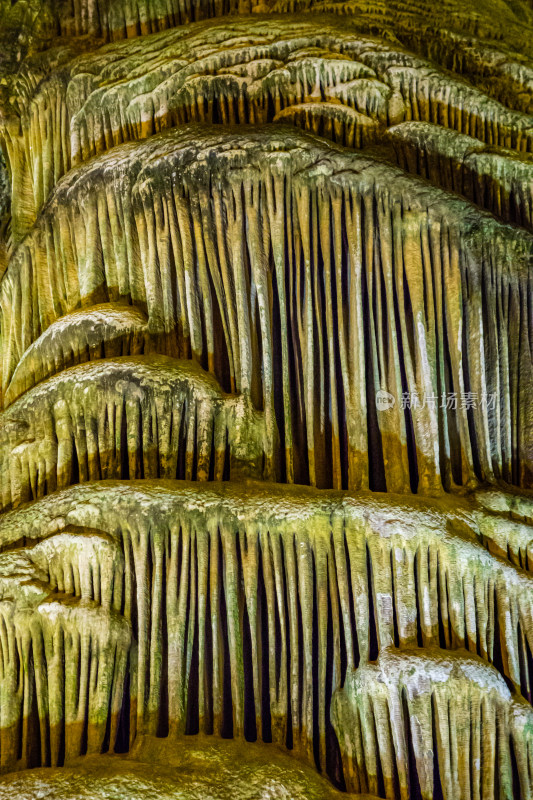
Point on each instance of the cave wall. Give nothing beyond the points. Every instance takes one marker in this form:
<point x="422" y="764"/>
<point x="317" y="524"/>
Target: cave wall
<point x="266" y="384"/>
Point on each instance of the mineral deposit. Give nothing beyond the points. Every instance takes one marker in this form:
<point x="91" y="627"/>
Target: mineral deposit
<point x="266" y="399"/>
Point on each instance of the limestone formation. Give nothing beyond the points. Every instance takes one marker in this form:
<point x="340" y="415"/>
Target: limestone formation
<point x="451" y="703"/>
<point x="104" y="331"/>
<point x="193" y="768"/>
<point x="58" y="608"/>
<point x="134" y="416"/>
<point x="145" y="223"/>
<point x="279" y="70"/>
<point x="497" y="179"/>
<point x="267" y="576"/>
<point x="266" y="399"/>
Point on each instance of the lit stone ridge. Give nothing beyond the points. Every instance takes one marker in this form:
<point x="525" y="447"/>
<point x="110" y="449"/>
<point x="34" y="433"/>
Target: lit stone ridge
<point x="266" y="399"/>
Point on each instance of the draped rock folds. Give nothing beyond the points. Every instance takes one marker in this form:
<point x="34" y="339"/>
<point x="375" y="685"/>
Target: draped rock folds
<point x="282" y="263"/>
<point x="266" y="398"/>
<point x="265" y="570"/>
<point x="103" y="331"/>
<point x="326" y="77"/>
<point x="134" y="416"/>
<point x="409" y="694"/>
<point x="59" y="603"/>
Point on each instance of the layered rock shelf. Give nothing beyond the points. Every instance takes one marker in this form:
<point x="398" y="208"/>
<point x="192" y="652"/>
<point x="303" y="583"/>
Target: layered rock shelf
<point x="135" y="416"/>
<point x="496" y="179"/>
<point x="190" y="766"/>
<point x="322" y="77"/>
<point x="277" y="310"/>
<point x="406" y="696"/>
<point x="287" y="592"/>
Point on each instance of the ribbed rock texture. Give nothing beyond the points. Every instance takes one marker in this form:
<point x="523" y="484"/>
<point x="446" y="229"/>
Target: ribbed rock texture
<point x="450" y="709"/>
<point x="266" y="399"/>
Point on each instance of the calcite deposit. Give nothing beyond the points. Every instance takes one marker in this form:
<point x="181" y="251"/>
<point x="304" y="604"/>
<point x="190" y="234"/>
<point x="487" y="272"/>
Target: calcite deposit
<point x="448" y="708"/>
<point x="191" y="225"/>
<point x="191" y="768"/>
<point x="266" y="399"/>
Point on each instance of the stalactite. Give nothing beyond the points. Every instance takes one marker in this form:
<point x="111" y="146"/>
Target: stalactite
<point x="134" y="416"/>
<point x="216" y="272"/>
<point x="63" y="648"/>
<point x="150" y="228"/>
<point x="446" y="33"/>
<point x="134" y="89"/>
<point x="117" y="20"/>
<point x="81" y="562"/>
<point x="451" y="710"/>
<point x="506" y="76"/>
<point x="427" y="27"/>
<point x="332" y="120"/>
<point x="498" y="180"/>
<point x="373" y="568"/>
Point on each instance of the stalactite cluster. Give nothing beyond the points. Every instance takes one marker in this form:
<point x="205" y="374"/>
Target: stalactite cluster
<point x="143" y="416"/>
<point x="266" y="399"/>
<point x="498" y="180"/>
<point x="221" y="241"/>
<point x="287" y="593"/>
<point x="57" y="608"/>
<point x="328" y="80"/>
<point x="467" y="705"/>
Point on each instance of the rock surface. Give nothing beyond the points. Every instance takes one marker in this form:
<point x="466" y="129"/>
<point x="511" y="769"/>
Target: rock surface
<point x="251" y="604"/>
<point x="451" y="710"/>
<point x="247" y="242"/>
<point x="190" y="225"/>
<point x="134" y="416"/>
<point x="194" y="768"/>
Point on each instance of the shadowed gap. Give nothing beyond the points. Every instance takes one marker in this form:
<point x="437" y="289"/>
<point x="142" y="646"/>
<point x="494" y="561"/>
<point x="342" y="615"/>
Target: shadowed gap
<point x="163" y="722"/>
<point x="264" y="655"/>
<point x="376" y="463"/>
<point x="227" y="704"/>
<point x="372" y="623"/>
<point x="415" y="792"/>
<point x="402" y="346"/>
